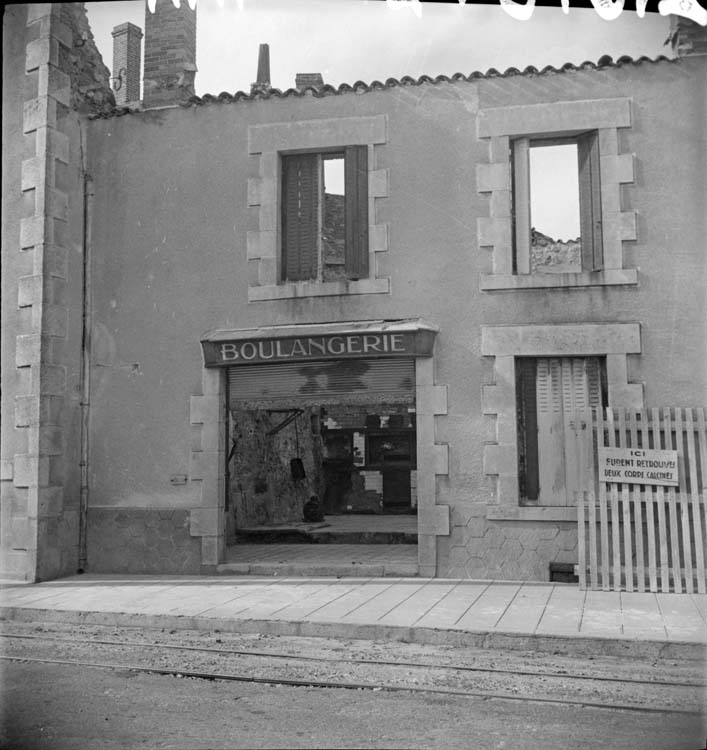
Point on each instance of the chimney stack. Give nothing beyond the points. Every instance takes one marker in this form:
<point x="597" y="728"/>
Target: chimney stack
<point x="302" y="80"/>
<point x="262" y="83"/>
<point x="126" y="63"/>
<point x="170" y="54"/>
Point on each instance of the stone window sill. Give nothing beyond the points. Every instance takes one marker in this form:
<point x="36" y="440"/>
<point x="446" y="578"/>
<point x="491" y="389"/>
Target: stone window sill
<point x="609" y="277"/>
<point x="317" y="289"/>
<point x="536" y="513"/>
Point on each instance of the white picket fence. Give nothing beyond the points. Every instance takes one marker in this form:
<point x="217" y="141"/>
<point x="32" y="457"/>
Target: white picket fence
<point x="646" y="538"/>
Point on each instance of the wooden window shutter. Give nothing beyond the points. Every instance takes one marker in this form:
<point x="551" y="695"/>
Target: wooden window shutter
<point x="521" y="206"/>
<point x="551" y="448"/>
<point x="356" y="189"/>
<point x="590" y="202"/>
<point x="527" y="429"/>
<point x="300" y="217"/>
<point x="556" y="453"/>
<point x="582" y="376"/>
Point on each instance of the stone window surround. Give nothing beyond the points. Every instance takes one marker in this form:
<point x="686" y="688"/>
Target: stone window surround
<point x="266" y="142"/>
<point x="614" y="341"/>
<point x="207" y="472"/>
<point x="499" y="125"/>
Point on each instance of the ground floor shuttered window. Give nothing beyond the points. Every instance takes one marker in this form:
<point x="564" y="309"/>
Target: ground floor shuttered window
<point x="555" y="449"/>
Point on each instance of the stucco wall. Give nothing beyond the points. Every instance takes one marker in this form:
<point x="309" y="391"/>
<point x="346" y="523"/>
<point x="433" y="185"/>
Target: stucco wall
<point x="171" y="218"/>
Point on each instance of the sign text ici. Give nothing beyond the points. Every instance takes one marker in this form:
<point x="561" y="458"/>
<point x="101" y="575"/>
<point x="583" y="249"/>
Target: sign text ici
<point x="638" y="466"/>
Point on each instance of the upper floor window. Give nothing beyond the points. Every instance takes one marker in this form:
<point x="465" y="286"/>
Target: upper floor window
<point x="325" y="215"/>
<point x="557" y="205"/>
<point x="317" y="187"/>
<point x="554" y="175"/>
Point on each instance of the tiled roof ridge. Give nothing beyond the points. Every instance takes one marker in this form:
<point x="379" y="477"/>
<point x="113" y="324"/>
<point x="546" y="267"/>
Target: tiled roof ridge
<point x="606" y="61"/>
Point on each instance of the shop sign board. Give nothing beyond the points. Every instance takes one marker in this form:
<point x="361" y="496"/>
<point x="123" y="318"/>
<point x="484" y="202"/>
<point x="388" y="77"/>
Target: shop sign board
<point x="638" y="466"/>
<point x="318" y="347"/>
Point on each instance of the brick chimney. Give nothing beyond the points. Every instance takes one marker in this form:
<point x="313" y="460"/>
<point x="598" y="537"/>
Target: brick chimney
<point x="262" y="82"/>
<point x="302" y="80"/>
<point x="126" y="63"/>
<point x="687" y="37"/>
<point x="170" y="54"/>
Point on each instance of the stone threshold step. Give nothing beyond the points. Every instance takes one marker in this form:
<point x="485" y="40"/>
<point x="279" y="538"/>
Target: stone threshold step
<point x="334" y="570"/>
<point x="323" y="536"/>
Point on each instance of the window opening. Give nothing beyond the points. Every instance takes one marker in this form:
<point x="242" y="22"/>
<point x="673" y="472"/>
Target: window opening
<point x="334" y="221"/>
<point x="325" y="215"/>
<point x="557" y="205"/>
<point x="555" y="445"/>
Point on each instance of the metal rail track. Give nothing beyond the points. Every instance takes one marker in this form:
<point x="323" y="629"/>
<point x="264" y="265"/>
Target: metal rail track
<point x="373" y="662"/>
<point x="485" y="695"/>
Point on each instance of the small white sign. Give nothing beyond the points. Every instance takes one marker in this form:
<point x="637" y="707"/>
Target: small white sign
<point x="638" y="466"/>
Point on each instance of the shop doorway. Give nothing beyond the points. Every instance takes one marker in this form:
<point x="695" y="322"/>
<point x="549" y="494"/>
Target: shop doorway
<point x="335" y="463"/>
<point x="345" y="459"/>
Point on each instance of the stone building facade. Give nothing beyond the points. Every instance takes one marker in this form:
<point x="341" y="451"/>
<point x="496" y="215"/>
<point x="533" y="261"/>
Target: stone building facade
<point x="161" y="303"/>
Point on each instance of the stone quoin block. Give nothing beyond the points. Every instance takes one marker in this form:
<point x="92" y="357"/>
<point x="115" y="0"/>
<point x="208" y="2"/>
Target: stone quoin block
<point x="441" y="459"/>
<point x="204" y="410"/>
<point x="203" y="464"/>
<point x="493" y="176"/>
<point x="33" y="172"/>
<point x="256" y="189"/>
<point x="212" y="550"/>
<point x="55" y="83"/>
<point x="29" y="290"/>
<point x="35" y="230"/>
<point x="204" y="521"/>
<point x="28" y="349"/>
<point x="431" y="400"/>
<point x="31" y="471"/>
<point x="6" y="470"/>
<point x="500" y="459"/>
<point x="378" y="183"/>
<point x="378" y="238"/>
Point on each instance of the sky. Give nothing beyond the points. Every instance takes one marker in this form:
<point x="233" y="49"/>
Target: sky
<point x="367" y="40"/>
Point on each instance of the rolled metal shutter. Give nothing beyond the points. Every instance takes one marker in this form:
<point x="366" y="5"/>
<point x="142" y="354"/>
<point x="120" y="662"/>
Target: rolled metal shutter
<point x="340" y="381"/>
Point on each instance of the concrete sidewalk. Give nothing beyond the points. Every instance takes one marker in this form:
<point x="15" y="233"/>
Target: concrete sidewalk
<point x="535" y="616"/>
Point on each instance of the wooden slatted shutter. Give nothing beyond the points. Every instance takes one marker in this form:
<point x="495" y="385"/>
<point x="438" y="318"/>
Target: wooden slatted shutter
<point x="300" y="217"/>
<point x="556" y="394"/>
<point x="590" y="202"/>
<point x="528" y="429"/>
<point x="581" y="390"/>
<point x="551" y="447"/>
<point x="356" y="189"/>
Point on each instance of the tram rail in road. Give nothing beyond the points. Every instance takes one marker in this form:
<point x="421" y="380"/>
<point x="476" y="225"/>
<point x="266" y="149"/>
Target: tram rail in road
<point x="613" y="684"/>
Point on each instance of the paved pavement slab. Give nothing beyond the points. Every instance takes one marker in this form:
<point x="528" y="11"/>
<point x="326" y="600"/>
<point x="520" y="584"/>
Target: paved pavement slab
<point x="515" y="615"/>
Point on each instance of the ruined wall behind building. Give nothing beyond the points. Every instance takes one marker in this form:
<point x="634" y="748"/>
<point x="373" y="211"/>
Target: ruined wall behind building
<point x="264" y="489"/>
